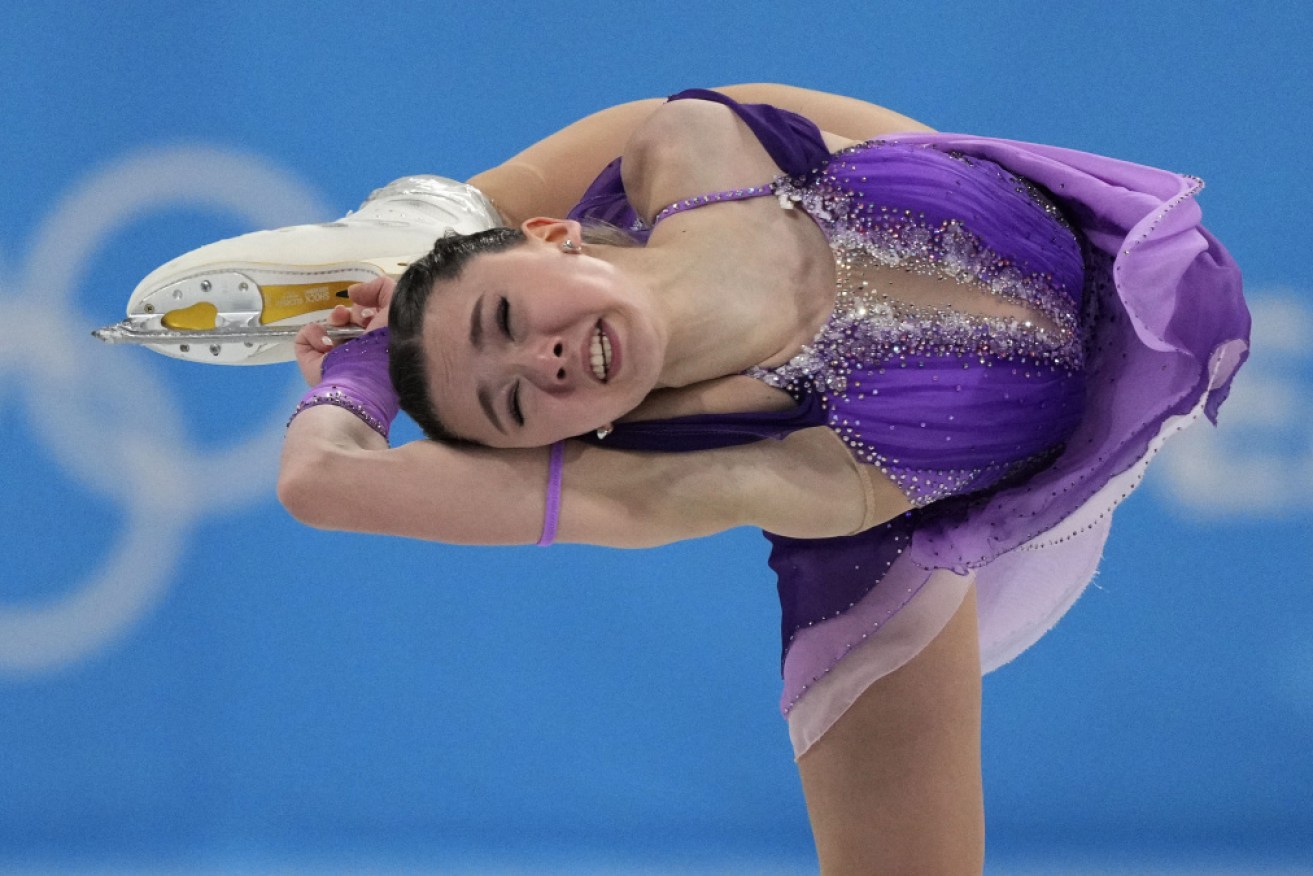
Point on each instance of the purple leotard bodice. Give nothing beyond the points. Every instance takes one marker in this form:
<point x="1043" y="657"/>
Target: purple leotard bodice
<point x="998" y="429"/>
<point x="875" y="370"/>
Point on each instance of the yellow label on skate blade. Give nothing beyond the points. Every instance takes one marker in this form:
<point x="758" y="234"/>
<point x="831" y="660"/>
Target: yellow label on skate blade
<point x="283" y="302"/>
<point x="200" y="317"/>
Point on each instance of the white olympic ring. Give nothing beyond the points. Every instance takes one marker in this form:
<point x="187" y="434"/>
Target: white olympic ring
<point x="77" y="390"/>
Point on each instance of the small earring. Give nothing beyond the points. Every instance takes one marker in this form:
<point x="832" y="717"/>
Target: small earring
<point x="569" y="246"/>
<point x="603" y="432"/>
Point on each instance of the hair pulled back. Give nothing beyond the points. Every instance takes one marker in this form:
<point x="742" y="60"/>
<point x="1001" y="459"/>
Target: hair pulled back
<point x="407" y="363"/>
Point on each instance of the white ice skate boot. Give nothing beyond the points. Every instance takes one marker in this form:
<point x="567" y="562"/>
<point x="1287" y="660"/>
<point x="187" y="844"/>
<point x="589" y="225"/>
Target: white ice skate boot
<point x="241" y="301"/>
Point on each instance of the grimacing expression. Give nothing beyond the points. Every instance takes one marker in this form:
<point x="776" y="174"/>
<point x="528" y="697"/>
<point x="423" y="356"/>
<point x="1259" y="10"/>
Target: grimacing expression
<point x="534" y="344"/>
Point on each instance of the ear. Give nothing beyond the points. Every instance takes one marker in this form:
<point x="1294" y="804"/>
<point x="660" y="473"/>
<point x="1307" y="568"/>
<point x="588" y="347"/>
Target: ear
<point x="552" y="231"/>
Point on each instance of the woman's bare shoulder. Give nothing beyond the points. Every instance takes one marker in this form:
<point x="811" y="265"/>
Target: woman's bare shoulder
<point x="690" y="147"/>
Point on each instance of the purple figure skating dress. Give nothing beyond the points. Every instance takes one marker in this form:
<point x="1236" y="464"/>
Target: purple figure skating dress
<point x="1016" y="330"/>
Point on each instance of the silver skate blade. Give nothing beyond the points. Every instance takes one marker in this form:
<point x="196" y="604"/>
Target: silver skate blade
<point x="131" y="331"/>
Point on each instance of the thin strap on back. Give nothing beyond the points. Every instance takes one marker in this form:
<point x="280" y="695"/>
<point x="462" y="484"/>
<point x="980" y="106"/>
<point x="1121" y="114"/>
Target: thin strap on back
<point x="552" y="513"/>
<point x="711" y="198"/>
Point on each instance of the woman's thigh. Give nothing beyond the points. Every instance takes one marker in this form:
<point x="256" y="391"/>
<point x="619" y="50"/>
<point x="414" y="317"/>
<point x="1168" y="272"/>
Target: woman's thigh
<point x="894" y="786"/>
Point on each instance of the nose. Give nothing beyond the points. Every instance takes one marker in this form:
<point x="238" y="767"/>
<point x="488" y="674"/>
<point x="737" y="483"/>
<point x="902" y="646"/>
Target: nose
<point x="545" y="364"/>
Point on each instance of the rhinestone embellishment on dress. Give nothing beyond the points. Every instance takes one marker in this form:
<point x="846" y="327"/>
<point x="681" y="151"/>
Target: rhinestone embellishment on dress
<point x="871" y="328"/>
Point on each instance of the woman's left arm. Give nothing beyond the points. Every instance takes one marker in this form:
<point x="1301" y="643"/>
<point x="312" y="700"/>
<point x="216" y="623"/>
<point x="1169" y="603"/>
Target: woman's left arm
<point x="845" y="116"/>
<point x="549" y="177"/>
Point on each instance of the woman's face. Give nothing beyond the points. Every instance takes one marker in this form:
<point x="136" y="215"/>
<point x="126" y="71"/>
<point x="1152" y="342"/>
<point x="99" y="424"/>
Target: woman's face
<point x="535" y="344"/>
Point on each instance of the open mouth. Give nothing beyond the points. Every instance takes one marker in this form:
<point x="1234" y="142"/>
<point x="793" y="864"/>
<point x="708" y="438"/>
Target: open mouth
<point x="599" y="353"/>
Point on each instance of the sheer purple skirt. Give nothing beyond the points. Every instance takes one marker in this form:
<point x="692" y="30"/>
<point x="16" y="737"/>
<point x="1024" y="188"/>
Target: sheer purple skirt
<point x="1164" y="327"/>
<point x="1166" y="330"/>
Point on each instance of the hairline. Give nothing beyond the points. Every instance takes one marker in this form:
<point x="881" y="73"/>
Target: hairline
<point x="434" y="356"/>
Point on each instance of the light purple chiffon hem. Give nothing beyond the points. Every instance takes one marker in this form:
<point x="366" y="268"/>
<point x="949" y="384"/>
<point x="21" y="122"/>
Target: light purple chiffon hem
<point x="890" y="646"/>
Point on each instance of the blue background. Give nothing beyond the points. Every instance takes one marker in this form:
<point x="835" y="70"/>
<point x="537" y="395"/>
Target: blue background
<point x="245" y="694"/>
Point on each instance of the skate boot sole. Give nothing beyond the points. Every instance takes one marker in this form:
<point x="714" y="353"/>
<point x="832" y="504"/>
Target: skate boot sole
<point x="237" y="314"/>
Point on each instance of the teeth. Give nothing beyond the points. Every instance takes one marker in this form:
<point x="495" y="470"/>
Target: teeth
<point x="600" y="354"/>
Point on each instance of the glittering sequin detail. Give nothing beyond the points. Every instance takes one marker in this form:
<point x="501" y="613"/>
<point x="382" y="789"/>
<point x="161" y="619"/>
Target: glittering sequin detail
<point x="330" y="394"/>
<point x="869" y="329"/>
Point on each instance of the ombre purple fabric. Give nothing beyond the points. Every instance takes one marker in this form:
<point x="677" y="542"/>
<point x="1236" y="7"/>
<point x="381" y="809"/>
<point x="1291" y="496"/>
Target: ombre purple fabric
<point x="1162" y="326"/>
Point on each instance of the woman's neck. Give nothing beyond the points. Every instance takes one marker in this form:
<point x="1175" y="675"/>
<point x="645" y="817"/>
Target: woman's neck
<point x="711" y="326"/>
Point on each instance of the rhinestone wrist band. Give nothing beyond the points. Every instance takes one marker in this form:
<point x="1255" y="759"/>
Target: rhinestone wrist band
<point x="355" y="378"/>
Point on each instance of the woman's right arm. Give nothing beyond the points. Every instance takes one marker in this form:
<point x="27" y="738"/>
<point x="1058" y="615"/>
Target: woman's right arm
<point x="549" y="177"/>
<point x="337" y="474"/>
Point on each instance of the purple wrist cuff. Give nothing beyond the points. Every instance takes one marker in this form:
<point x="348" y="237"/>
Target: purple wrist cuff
<point x="552" y="516"/>
<point x="355" y="378"/>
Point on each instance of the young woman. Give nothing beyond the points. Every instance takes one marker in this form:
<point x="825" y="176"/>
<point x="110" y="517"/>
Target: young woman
<point x="928" y="366"/>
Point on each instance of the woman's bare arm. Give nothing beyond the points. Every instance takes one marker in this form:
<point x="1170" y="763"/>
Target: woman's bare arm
<point x="549" y="177"/>
<point x="337" y="474"/>
<point x="846" y="116"/>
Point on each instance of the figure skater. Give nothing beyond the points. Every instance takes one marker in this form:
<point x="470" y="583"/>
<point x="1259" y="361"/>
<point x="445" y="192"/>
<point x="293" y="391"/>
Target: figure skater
<point x="928" y="366"/>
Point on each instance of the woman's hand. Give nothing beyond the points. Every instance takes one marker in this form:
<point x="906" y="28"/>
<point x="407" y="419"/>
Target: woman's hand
<point x="369" y="310"/>
<point x="376" y="295"/>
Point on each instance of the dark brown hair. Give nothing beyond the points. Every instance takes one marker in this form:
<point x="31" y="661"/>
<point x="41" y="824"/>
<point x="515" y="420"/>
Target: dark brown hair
<point x="407" y="363"/>
<point x="406" y="358"/>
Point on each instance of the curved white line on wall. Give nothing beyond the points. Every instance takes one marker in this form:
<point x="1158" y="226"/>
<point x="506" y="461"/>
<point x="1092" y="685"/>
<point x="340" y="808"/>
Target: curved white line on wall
<point x="107" y="419"/>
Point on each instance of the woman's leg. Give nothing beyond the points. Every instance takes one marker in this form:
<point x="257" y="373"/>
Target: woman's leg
<point x="894" y="786"/>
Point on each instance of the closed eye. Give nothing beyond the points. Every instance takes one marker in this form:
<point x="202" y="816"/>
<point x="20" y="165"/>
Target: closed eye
<point x="516" y="414"/>
<point x="504" y="317"/>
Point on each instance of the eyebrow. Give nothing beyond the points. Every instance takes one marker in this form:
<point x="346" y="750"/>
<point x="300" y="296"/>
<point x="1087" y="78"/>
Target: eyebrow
<point x="485" y="400"/>
<point x="476" y="340"/>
